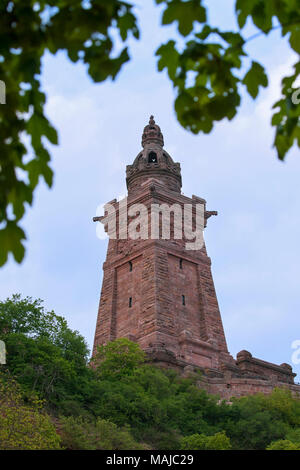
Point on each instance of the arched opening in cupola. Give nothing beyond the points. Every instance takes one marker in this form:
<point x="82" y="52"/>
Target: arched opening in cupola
<point x="152" y="157"/>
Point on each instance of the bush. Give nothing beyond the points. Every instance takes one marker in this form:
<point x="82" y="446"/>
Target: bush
<point x="99" y="434"/>
<point x="201" y="442"/>
<point x="118" y="358"/>
<point x="24" y="427"/>
<point x="294" y="436"/>
<point x="283" y="444"/>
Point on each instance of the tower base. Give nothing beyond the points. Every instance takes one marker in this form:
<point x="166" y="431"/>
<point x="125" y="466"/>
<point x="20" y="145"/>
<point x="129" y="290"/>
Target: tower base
<point x="247" y="375"/>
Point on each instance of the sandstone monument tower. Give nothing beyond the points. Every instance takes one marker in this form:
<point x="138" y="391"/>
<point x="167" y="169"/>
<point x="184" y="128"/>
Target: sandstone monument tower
<point x="160" y="294"/>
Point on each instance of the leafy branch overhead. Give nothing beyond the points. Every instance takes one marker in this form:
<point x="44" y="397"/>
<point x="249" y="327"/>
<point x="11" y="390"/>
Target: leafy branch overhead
<point x="207" y="74"/>
<point x="27" y="30"/>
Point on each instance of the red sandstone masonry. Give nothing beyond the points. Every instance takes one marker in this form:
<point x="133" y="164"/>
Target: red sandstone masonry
<point x="145" y="303"/>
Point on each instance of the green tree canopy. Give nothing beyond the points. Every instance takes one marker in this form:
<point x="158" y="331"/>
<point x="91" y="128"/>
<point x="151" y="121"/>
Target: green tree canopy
<point x="118" y="358"/>
<point x="28" y="317"/>
<point x="253" y="422"/>
<point x="43" y="353"/>
<point x="208" y="67"/>
<point x="123" y="402"/>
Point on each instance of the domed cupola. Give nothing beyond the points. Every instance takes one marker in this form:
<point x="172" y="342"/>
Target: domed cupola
<point x="153" y="162"/>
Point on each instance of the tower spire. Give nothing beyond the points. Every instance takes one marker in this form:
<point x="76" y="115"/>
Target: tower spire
<point x="152" y="134"/>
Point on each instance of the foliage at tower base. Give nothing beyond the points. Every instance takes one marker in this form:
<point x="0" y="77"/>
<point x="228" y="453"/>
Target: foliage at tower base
<point x="120" y="402"/>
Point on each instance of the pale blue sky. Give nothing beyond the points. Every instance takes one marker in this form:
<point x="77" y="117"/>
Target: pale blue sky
<point x="254" y="241"/>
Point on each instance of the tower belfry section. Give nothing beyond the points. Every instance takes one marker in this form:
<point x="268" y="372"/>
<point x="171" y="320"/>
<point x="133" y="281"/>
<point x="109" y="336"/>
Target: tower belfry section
<point x="158" y="290"/>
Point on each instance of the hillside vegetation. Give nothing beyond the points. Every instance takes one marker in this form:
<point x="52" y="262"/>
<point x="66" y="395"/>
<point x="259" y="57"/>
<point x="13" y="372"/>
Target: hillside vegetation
<point x="51" y="397"/>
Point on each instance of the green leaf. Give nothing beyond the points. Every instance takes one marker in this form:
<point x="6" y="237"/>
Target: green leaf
<point x="11" y="242"/>
<point x="38" y="126"/>
<point x="223" y="106"/>
<point x="37" y="168"/>
<point x="234" y="39"/>
<point x="192" y="112"/>
<point x="262" y="15"/>
<point x="295" y="38"/>
<point x="101" y="66"/>
<point x="185" y="13"/>
<point x="127" y="23"/>
<point x="243" y="9"/>
<point x="205" y="32"/>
<point x="19" y="195"/>
<point x="168" y="58"/>
<point x="254" y="78"/>
<point x="286" y="119"/>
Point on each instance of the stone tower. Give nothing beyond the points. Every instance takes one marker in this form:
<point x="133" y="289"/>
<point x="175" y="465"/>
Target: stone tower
<point x="158" y="293"/>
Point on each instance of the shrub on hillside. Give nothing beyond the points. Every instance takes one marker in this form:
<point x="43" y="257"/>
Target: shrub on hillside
<point x="218" y="441"/>
<point x="24" y="426"/>
<point x="99" y="434"/>
<point x="283" y="444"/>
